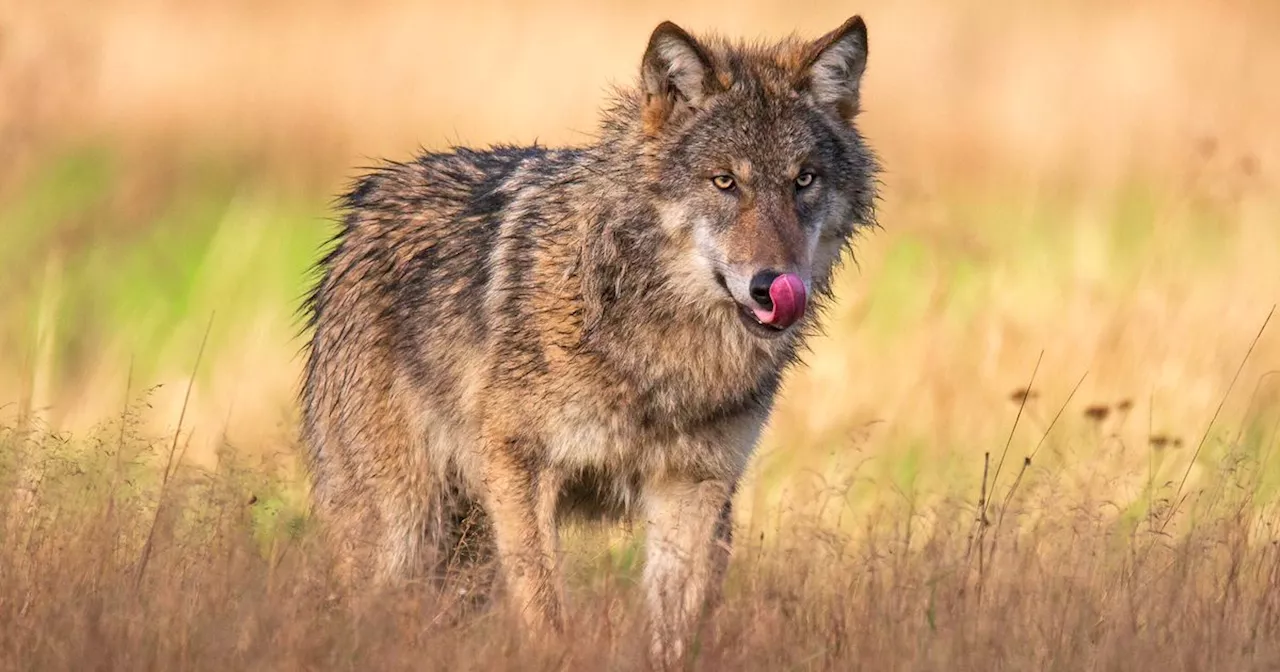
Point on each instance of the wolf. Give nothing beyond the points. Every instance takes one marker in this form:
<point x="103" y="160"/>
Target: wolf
<point x="522" y="334"/>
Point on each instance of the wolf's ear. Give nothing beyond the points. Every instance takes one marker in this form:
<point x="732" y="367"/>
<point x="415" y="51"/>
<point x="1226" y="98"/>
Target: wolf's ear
<point x="832" y="71"/>
<point x="676" y="75"/>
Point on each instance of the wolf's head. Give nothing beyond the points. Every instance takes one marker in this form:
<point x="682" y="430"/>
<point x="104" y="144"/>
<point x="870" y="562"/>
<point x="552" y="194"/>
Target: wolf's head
<point x="757" y="166"/>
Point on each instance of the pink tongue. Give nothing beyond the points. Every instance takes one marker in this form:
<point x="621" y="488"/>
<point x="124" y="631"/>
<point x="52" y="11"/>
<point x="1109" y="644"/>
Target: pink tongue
<point x="788" y="296"/>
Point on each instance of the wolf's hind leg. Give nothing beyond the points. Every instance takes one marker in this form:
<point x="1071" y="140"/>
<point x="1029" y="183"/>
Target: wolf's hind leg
<point x="375" y="533"/>
<point x="374" y="502"/>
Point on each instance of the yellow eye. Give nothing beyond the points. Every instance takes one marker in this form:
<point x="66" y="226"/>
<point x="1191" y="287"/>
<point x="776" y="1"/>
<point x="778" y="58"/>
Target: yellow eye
<point x="722" y="182"/>
<point x="804" y="179"/>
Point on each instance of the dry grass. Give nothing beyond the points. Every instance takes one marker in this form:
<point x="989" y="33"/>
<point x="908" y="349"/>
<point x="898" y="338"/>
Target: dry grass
<point x="107" y="562"/>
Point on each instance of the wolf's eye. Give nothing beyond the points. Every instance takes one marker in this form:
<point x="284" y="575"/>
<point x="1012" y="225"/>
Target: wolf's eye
<point x="803" y="180"/>
<point x="723" y="182"/>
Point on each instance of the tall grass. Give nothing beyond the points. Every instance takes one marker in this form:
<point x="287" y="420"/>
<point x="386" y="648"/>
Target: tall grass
<point x="109" y="561"/>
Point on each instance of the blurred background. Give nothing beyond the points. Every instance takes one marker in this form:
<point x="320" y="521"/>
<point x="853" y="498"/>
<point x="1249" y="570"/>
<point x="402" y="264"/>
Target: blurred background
<point x="1094" y="183"/>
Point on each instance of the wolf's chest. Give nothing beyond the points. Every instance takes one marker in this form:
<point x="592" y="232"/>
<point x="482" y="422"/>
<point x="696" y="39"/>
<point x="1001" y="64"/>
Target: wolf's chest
<point x="591" y="436"/>
<point x="617" y="444"/>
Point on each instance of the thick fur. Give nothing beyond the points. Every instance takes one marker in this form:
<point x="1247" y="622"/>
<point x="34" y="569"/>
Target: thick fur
<point x="515" y="334"/>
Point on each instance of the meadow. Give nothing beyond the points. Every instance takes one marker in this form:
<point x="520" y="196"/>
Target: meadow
<point x="1037" y="434"/>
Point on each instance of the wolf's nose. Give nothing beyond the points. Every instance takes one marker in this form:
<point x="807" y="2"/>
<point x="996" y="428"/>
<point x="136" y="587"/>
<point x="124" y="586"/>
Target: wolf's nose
<point x="759" y="288"/>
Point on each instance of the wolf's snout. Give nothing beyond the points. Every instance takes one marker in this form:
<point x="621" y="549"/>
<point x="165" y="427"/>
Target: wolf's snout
<point x="780" y="298"/>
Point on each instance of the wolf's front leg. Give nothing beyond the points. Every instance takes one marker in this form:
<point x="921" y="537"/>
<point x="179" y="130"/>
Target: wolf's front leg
<point x="688" y="536"/>
<point x="521" y="502"/>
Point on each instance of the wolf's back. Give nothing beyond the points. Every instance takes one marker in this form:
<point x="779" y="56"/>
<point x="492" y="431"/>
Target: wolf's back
<point x="402" y="291"/>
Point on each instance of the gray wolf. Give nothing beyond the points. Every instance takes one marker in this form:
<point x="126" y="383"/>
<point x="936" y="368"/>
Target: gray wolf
<point x="520" y="334"/>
